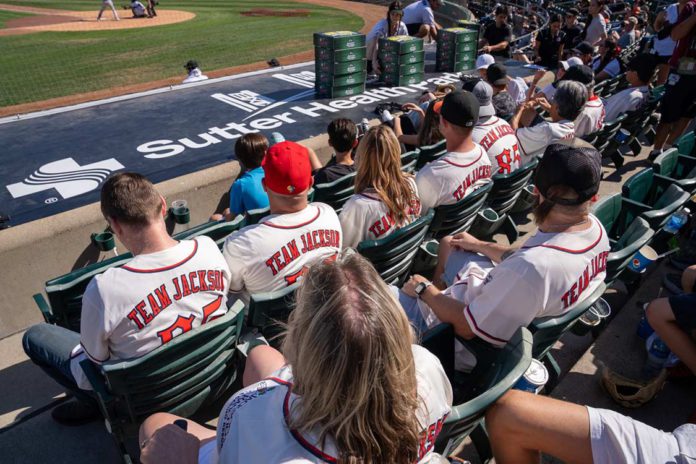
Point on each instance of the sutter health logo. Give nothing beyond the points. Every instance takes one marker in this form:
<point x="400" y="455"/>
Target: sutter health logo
<point x="67" y="177"/>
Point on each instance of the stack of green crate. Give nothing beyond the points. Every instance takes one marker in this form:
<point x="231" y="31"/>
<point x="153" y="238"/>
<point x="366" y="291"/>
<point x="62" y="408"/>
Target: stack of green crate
<point x="340" y="65"/>
<point x="402" y="60"/>
<point x="457" y="47"/>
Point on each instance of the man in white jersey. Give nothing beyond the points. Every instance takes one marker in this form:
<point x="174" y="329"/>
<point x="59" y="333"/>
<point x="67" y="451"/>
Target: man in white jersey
<point x="566" y="105"/>
<point x="639" y="72"/>
<point x="555" y="269"/>
<point x="493" y="134"/>
<point x="591" y="117"/>
<point x="274" y="253"/>
<point x="465" y="166"/>
<point x="167" y="289"/>
<point x="419" y="18"/>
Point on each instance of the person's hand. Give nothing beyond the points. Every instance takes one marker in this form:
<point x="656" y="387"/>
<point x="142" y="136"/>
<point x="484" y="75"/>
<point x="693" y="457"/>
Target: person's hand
<point x="486" y="49"/>
<point x="376" y="67"/>
<point x="409" y="287"/>
<point x="426" y="97"/>
<point x="413" y="107"/>
<point x="539" y="75"/>
<point x="171" y="444"/>
<point x="544" y="103"/>
<point x="466" y="242"/>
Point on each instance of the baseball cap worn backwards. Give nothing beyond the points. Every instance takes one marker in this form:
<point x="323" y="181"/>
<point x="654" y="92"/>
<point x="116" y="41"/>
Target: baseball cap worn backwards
<point x="584" y="48"/>
<point x="581" y="73"/>
<point x="484" y="61"/>
<point x="497" y="74"/>
<point x="483" y="92"/>
<point x="572" y="61"/>
<point x="287" y="170"/>
<point x="579" y="168"/>
<point x="460" y="108"/>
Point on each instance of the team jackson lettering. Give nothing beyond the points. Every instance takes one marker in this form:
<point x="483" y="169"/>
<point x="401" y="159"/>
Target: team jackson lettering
<point x="184" y="285"/>
<point x="494" y="134"/>
<point x="428" y="437"/>
<point x="310" y="241"/>
<point x="482" y="172"/>
<point x="596" y="267"/>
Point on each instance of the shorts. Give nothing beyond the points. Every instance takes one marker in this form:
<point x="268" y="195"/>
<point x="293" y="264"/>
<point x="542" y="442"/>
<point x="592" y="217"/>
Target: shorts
<point x="662" y="59"/>
<point x="458" y="259"/>
<point x="617" y="438"/>
<point x="413" y="28"/>
<point x="680" y="89"/>
<point x="684" y="310"/>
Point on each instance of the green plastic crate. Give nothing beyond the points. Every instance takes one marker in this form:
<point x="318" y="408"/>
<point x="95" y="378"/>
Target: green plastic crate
<point x="339" y="56"/>
<point x="457" y="35"/>
<point x="326" y="81"/>
<point x="458" y="54"/>
<point x="400" y="44"/>
<point x="454" y="66"/>
<point x="339" y="40"/>
<point x="397" y="69"/>
<point x="404" y="80"/>
<point x="406" y="58"/>
<point x="337" y="69"/>
<point x="345" y="91"/>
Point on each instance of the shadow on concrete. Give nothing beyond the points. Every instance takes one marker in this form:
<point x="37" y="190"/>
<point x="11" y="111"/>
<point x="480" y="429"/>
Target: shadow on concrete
<point x="25" y="386"/>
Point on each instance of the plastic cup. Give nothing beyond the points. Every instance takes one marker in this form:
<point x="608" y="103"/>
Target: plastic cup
<point x="642" y="259"/>
<point x="592" y="318"/>
<point x="104" y="241"/>
<point x="622" y="135"/>
<point x="179" y="206"/>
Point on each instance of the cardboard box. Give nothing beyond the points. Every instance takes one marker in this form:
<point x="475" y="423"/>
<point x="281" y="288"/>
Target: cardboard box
<point x="326" y="81"/>
<point x="456" y="54"/>
<point x="339" y="56"/>
<point x="337" y="69"/>
<point x="454" y="65"/>
<point x="345" y="91"/>
<point x="397" y="69"/>
<point x="339" y="40"/>
<point x="407" y="58"/>
<point x="457" y="35"/>
<point x="400" y="44"/>
<point x="404" y="80"/>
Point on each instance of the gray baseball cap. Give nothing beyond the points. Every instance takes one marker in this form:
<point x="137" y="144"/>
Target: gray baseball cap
<point x="483" y="92"/>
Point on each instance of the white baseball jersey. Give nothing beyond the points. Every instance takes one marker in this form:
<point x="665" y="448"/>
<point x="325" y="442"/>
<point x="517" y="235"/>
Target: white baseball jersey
<point x="252" y="427"/>
<point x="625" y="101"/>
<point x="534" y="140"/>
<point x="129" y="311"/>
<point x="665" y="47"/>
<point x="548" y="276"/>
<point x="591" y="118"/>
<point x="274" y="253"/>
<point x="366" y="217"/>
<point x="419" y="13"/>
<point x="498" y="139"/>
<point x="449" y="179"/>
<point x="517" y="88"/>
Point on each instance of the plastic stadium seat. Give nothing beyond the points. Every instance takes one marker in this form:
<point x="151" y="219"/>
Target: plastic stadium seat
<point x="393" y="255"/>
<point x="465" y="419"/>
<point x="681" y="169"/>
<point x="638" y="122"/>
<point x="65" y="293"/>
<point x="180" y="377"/>
<point x="409" y="160"/>
<point x="217" y="230"/>
<point x="336" y="193"/>
<point x="268" y="311"/>
<point x="604" y="140"/>
<point x="506" y="189"/>
<point x="686" y="144"/>
<point x="430" y="153"/>
<point x="656" y="194"/>
<point x="253" y="216"/>
<point x="450" y="219"/>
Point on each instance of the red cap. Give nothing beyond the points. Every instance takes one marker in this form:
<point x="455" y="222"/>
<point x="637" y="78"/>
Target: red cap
<point x="287" y="168"/>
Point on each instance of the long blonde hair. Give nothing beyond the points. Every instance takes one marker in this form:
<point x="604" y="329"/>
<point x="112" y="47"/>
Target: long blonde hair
<point x="378" y="160"/>
<point x="349" y="345"/>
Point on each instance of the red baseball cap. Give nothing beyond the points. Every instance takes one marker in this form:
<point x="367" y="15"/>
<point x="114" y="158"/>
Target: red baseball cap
<point x="287" y="168"/>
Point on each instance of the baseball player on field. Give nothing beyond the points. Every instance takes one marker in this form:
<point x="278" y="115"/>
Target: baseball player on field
<point x="493" y="134"/>
<point x="107" y="4"/>
<point x="274" y="253"/>
<point x="465" y="166"/>
<point x="167" y="289"/>
<point x="555" y="269"/>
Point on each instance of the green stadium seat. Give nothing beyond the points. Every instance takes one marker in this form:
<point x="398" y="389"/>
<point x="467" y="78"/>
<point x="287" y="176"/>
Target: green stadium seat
<point x="604" y="140"/>
<point x="506" y="189"/>
<point x="64" y="306"/>
<point x="217" y="230"/>
<point x="681" y="169"/>
<point x="268" y="311"/>
<point x="253" y="216"/>
<point x="656" y="194"/>
<point x="638" y="122"/>
<point x="180" y="377"/>
<point x="430" y="153"/>
<point x="686" y="144"/>
<point x="450" y="219"/>
<point x="409" y="161"/>
<point x="336" y="193"/>
<point x="393" y="255"/>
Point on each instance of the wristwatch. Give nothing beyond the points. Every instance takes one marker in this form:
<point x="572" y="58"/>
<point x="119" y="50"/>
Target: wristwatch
<point x="420" y="288"/>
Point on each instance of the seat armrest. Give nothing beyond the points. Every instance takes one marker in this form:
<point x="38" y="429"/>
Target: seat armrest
<point x="96" y="380"/>
<point x="44" y="308"/>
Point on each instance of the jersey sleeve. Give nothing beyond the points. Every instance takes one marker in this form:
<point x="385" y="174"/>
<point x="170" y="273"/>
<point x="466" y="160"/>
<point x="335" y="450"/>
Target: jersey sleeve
<point x="237" y="198"/>
<point x="509" y="300"/>
<point x="427" y="192"/>
<point x="235" y="261"/>
<point x="533" y="139"/>
<point x="93" y="326"/>
<point x="403" y="30"/>
<point x="615" y="106"/>
<point x="352" y="224"/>
<point x="613" y="68"/>
<point x="428" y="16"/>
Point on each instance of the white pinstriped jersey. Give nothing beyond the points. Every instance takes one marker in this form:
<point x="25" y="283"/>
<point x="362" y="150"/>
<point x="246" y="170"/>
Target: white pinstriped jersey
<point x="498" y="139"/>
<point x="591" y="118"/>
<point x="129" y="311"/>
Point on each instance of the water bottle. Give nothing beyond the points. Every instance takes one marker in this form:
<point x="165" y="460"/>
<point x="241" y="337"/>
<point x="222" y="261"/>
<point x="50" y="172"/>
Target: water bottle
<point x="658" y="354"/>
<point x="644" y="329"/>
<point x="677" y="221"/>
<point x="364" y="126"/>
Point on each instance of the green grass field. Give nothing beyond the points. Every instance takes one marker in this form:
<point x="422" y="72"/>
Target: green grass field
<point x="8" y="15"/>
<point x="54" y="64"/>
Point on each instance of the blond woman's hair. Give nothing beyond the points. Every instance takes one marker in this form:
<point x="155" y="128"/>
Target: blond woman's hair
<point x="349" y="345"/>
<point x="378" y="160"/>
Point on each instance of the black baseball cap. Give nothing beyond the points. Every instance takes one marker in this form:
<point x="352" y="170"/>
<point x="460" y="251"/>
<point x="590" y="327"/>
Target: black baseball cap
<point x="584" y="48"/>
<point x="577" y="167"/>
<point x="191" y="64"/>
<point x="572" y="12"/>
<point x="460" y="108"/>
<point x="496" y="74"/>
<point x="579" y="73"/>
<point x="643" y="64"/>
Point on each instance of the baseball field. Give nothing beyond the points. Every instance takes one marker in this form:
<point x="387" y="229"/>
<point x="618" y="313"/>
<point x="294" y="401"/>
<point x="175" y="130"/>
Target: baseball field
<point x="54" y="49"/>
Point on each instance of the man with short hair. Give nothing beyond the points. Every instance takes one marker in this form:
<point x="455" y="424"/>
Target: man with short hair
<point x="585" y="52"/>
<point x="639" y="72"/>
<point x="571" y="29"/>
<point x="492" y="133"/>
<point x="628" y="35"/>
<point x="465" y="166"/>
<point x="419" y="18"/>
<point x="169" y="287"/>
<point x="274" y="253"/>
<point x="498" y="34"/>
<point x="567" y="104"/>
<point x="504" y="102"/>
<point x="343" y="137"/>
<point x="556" y="269"/>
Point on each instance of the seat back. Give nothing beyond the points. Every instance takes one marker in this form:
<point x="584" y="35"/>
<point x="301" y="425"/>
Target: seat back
<point x="178" y="377"/>
<point x="253" y="216"/>
<point x="450" y="219"/>
<point x="336" y="193"/>
<point x="408" y="159"/>
<point x="268" y="311"/>
<point x="666" y="163"/>
<point x="609" y="212"/>
<point x="217" y="230"/>
<point x="65" y="292"/>
<point x="687" y="143"/>
<point x="548" y="330"/>
<point x="631" y="240"/>
<point x="639" y="187"/>
<point x="439" y="340"/>
<point x="430" y="153"/>
<point x="508" y="187"/>
<point x="393" y="255"/>
<point x="512" y="362"/>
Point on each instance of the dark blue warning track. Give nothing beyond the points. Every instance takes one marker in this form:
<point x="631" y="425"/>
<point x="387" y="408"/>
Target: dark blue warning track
<point x="54" y="163"/>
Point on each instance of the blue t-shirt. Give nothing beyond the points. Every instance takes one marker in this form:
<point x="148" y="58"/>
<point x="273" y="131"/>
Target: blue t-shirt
<point x="247" y="192"/>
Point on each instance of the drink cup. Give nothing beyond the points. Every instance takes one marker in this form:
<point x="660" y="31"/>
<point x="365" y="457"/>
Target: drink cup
<point x="622" y="135"/>
<point x="642" y="259"/>
<point x="534" y="378"/>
